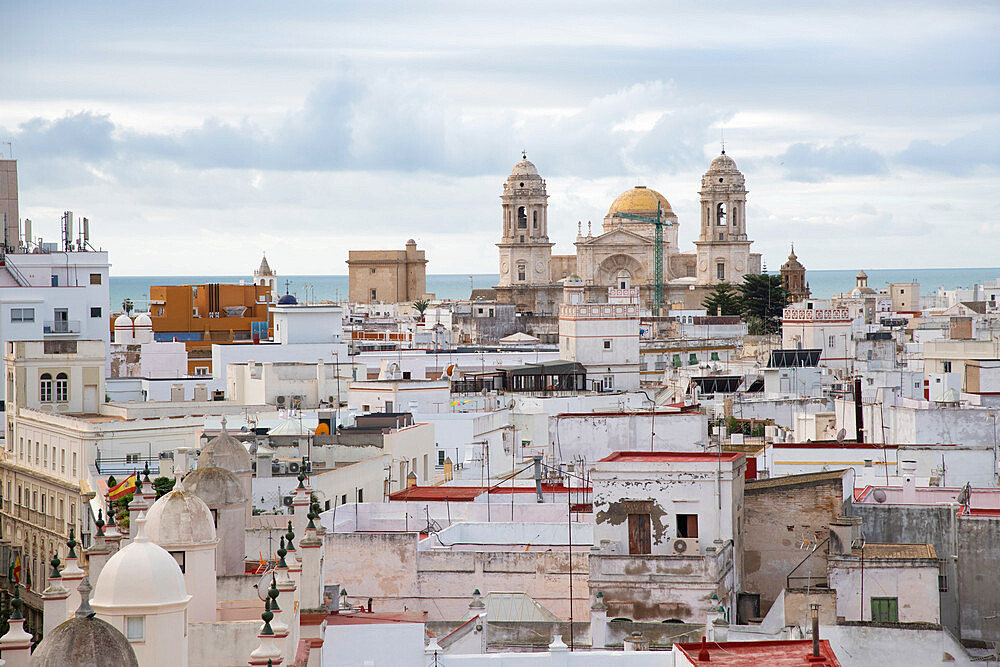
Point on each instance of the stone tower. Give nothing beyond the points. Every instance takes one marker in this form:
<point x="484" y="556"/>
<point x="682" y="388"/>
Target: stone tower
<point x="723" y="246"/>
<point x="265" y="276"/>
<point x="525" y="251"/>
<point x="793" y="279"/>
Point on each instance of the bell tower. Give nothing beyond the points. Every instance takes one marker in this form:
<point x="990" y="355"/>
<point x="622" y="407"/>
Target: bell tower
<point x="723" y="246"/>
<point x="525" y="251"/>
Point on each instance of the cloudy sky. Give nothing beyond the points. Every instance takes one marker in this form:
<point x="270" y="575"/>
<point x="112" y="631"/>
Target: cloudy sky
<point x="196" y="135"/>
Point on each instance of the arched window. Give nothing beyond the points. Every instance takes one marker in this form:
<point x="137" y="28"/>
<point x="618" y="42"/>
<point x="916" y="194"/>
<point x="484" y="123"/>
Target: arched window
<point x="62" y="387"/>
<point x="735" y="216"/>
<point x="45" y="388"/>
<point x="522" y="218"/>
<point x="534" y="219"/>
<point x="521" y="269"/>
<point x="720" y="214"/>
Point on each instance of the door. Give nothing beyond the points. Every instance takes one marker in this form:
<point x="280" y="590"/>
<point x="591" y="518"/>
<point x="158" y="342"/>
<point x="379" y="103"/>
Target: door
<point x="639" y="534"/>
<point x="90" y="399"/>
<point x="61" y="323"/>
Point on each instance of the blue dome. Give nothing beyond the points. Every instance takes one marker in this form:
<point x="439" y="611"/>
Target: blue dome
<point x="287" y="300"/>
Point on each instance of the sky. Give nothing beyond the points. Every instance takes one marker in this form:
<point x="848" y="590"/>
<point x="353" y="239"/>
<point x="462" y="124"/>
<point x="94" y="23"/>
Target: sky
<point x="197" y="135"/>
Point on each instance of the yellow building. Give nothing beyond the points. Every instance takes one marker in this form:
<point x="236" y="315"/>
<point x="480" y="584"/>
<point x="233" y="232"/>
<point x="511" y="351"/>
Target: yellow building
<point x="389" y="276"/>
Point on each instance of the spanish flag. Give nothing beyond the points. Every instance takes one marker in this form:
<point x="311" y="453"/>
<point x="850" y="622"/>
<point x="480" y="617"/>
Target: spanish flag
<point x="123" y="488"/>
<point x="16" y="569"/>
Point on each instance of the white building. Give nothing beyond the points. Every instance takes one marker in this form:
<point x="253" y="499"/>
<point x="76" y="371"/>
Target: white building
<point x="825" y="329"/>
<point x="604" y="337"/>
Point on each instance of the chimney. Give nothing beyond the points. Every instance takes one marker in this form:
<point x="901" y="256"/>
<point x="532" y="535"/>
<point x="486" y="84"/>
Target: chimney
<point x="814" y="613"/>
<point x="843" y="531"/>
<point x="909" y="473"/>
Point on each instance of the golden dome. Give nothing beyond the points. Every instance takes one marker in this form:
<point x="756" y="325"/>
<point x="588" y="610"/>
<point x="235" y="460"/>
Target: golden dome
<point x="640" y="200"/>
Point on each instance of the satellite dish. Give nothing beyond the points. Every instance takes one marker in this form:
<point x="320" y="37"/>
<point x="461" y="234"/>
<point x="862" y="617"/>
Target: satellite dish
<point x="841" y="434"/>
<point x="879" y="495"/>
<point x="264" y="584"/>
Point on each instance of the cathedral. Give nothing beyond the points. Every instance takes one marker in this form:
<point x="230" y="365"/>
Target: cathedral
<point x="622" y="253"/>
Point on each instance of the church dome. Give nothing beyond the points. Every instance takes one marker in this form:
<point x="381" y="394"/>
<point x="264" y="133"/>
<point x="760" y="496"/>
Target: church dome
<point x="84" y="642"/>
<point x="142" y="574"/>
<point x="225" y="451"/>
<point x="524" y="168"/>
<point x="640" y="200"/>
<point x="723" y="163"/>
<point x="217" y="487"/>
<point x="180" y="519"/>
<point x="793" y="262"/>
<point x="287" y="300"/>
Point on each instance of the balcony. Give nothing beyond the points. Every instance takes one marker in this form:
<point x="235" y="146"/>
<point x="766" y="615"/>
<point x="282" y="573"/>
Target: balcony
<point x="61" y="327"/>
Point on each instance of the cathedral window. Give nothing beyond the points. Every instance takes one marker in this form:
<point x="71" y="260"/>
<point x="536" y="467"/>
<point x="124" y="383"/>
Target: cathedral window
<point x="521" y="268"/>
<point x="720" y="214"/>
<point x="720" y="271"/>
<point x="522" y="218"/>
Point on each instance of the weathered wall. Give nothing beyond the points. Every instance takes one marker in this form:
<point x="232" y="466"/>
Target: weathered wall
<point x="978" y="583"/>
<point x="784" y="518"/>
<point x="594" y="436"/>
<point x="913" y="582"/>
<point x="223" y="644"/>
<point x="388" y="568"/>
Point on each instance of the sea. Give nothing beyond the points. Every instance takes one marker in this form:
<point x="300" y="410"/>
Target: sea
<point x="823" y="284"/>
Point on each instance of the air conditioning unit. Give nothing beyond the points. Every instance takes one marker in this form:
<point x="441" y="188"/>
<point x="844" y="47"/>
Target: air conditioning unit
<point x="293" y="466"/>
<point x="296" y="401"/>
<point x="287" y="501"/>
<point x="280" y="400"/>
<point x="686" y="546"/>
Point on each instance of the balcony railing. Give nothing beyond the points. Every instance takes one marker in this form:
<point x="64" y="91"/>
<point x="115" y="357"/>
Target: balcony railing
<point x="60" y="327"/>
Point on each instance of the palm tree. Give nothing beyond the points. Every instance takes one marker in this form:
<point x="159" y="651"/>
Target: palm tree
<point x="420" y="305"/>
<point x="127" y="306"/>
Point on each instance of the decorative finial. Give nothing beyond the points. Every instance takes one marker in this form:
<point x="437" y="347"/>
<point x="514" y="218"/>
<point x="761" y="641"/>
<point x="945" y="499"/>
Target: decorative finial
<point x="100" y="522"/>
<point x="84" y="610"/>
<point x="55" y="567"/>
<point x="138" y="483"/>
<point x="15" y="604"/>
<point x="267" y="616"/>
<point x="140" y="530"/>
<point x="145" y="473"/>
<point x="71" y="543"/>
<point x="302" y="478"/>
<point x="524" y="154"/>
<point x="111" y="517"/>
<point x="312" y="516"/>
<point x="272" y="593"/>
<point x="282" y="552"/>
<point x="224" y="417"/>
<point x="722" y="138"/>
<point x="291" y="536"/>
<point x="588" y="228"/>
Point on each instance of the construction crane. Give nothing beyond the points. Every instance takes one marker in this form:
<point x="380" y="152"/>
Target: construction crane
<point x="658" y="223"/>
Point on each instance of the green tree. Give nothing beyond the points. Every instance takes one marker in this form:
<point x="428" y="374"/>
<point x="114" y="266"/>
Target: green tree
<point x="762" y="298"/>
<point x="163" y="485"/>
<point x="420" y="305"/>
<point x="722" y="300"/>
<point x="127" y="306"/>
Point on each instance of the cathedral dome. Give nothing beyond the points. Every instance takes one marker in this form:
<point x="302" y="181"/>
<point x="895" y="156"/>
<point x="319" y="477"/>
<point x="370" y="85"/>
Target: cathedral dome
<point x="640" y="200"/>
<point x="227" y="452"/>
<point x="524" y="168"/>
<point x="180" y="519"/>
<point x="723" y="163"/>
<point x="142" y="574"/>
<point x="85" y="641"/>
<point x="793" y="262"/>
<point x="217" y="487"/>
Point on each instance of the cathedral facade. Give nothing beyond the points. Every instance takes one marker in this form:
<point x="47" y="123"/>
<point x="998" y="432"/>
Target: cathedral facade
<point x="622" y="253"/>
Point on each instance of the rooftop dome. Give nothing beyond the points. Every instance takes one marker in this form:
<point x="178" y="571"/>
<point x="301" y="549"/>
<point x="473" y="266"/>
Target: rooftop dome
<point x="225" y="451"/>
<point x="180" y="519"/>
<point x="142" y="574"/>
<point x="217" y="487"/>
<point x="287" y="300"/>
<point x="143" y="320"/>
<point x="640" y="200"/>
<point x="123" y="321"/>
<point x="84" y="641"/>
<point x="793" y="261"/>
<point x="723" y="163"/>
<point x="524" y="168"/>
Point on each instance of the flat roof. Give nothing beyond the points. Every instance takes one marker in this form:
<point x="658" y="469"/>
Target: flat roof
<point x="375" y="618"/>
<point x="670" y="457"/>
<point x="895" y="551"/>
<point x="752" y="654"/>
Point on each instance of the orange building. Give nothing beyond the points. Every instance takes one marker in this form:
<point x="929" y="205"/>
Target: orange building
<point x="200" y="315"/>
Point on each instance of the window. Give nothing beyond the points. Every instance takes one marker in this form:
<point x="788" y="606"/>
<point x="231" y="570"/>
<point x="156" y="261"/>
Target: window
<point x="343" y="499"/>
<point x="132" y="458"/>
<point x="45" y="388"/>
<point x="95" y="312"/>
<point x="720" y="214"/>
<point x="607" y="345"/>
<point x="534" y="219"/>
<point x="832" y="341"/>
<point x="201" y="370"/>
<point x="373" y="272"/>
<point x="946" y="366"/>
<point x="361" y="495"/>
<point x="95" y="278"/>
<point x="885" y="610"/>
<point x="441" y="457"/>
<point x="943" y="583"/>
<point x="715" y="356"/>
<point x="34" y="500"/>
<point x="43" y="504"/>
<point x="521" y="269"/>
<point x="54" y="280"/>
<point x="609" y="381"/>
<point x="720" y="271"/>
<point x="522" y="218"/>
<point x="62" y="508"/>
<point x="639" y="534"/>
<point x="62" y="387"/>
<point x="692" y="359"/>
<point x="135" y="628"/>
<point x="179" y="557"/>
<point x="687" y="525"/>
<point x="522" y="238"/>
<point x="74" y="464"/>
<point x="22" y="314"/>
<point x="373" y="295"/>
